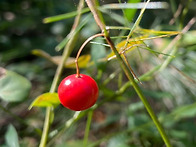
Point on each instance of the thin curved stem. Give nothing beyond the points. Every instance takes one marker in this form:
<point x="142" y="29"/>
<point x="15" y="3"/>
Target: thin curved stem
<point x="81" y="48"/>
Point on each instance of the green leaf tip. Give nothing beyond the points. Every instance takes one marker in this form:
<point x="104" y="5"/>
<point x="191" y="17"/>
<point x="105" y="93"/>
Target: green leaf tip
<point x="45" y="100"/>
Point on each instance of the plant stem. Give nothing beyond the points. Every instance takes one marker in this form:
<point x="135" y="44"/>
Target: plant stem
<point x="127" y="72"/>
<point x="80" y="50"/>
<point x="88" y="124"/>
<point x="66" y="53"/>
<point x="46" y="127"/>
<point x="77" y="115"/>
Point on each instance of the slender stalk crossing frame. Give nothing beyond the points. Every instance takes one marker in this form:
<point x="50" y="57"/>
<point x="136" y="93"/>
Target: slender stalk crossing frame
<point x="92" y="4"/>
<point x="67" y="50"/>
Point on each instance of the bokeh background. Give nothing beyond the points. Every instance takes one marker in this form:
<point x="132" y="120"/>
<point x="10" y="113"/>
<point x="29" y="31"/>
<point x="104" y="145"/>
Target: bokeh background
<point x="120" y="122"/>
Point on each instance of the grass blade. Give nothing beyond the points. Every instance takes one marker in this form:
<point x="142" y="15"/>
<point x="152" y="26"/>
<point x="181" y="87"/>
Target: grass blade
<point x="63" y="16"/>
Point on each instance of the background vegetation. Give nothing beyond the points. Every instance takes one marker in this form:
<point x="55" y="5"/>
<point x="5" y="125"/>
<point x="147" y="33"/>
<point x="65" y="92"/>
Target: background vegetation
<point x="27" y="47"/>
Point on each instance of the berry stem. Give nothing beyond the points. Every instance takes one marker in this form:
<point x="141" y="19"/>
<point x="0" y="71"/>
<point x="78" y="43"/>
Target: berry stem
<point x="80" y="50"/>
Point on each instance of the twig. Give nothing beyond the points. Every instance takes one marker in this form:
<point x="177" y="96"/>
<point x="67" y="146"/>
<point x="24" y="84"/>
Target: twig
<point x="177" y="13"/>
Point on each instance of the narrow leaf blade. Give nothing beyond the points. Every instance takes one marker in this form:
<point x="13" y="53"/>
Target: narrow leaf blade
<point x="63" y="16"/>
<point x="130" y="13"/>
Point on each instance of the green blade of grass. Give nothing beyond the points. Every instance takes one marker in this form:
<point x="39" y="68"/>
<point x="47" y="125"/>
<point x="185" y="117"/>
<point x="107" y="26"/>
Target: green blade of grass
<point x="63" y="16"/>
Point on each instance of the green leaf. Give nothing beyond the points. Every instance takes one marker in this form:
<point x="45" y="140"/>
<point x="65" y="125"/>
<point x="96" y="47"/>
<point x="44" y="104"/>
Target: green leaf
<point x="185" y="111"/>
<point x="11" y="137"/>
<point x="63" y="16"/>
<point x="189" y="38"/>
<point x="13" y="87"/>
<point x="157" y="94"/>
<point x="136" y="106"/>
<point x="179" y="134"/>
<point x="130" y="13"/>
<point x="45" y="100"/>
<point x="118" y="141"/>
<point x="72" y="143"/>
<point x="155" y="32"/>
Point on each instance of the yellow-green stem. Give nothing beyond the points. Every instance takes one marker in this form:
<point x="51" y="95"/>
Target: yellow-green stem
<point x="88" y="124"/>
<point x="65" y="55"/>
<point x="128" y="73"/>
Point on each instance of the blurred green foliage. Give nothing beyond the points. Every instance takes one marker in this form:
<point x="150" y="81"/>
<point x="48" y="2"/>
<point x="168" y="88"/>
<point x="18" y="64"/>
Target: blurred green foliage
<point x="121" y="119"/>
<point x="22" y="28"/>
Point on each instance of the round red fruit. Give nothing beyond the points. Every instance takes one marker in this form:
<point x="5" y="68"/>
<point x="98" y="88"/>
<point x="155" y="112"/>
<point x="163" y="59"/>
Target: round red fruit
<point x="78" y="92"/>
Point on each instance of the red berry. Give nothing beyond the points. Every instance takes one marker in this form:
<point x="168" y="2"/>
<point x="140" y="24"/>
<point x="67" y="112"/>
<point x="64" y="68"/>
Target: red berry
<point x="78" y="93"/>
